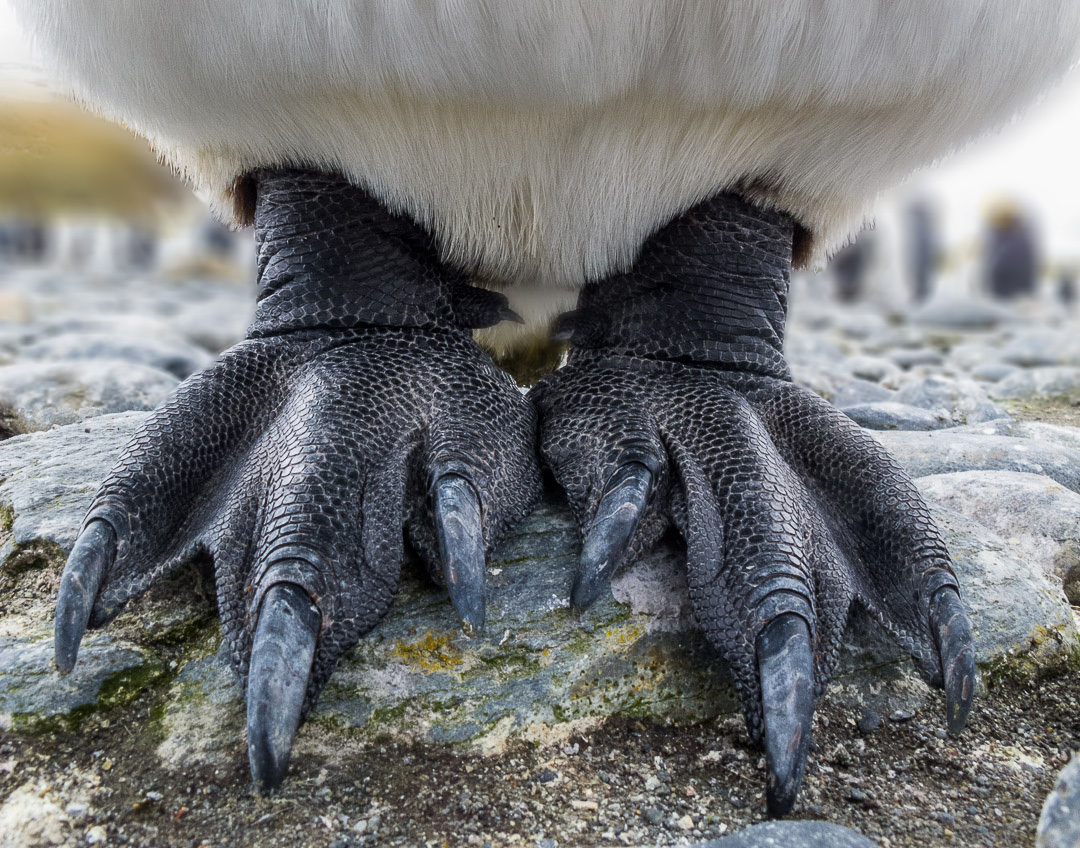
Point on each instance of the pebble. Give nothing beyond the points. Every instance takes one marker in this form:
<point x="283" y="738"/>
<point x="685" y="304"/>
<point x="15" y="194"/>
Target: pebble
<point x="653" y="815"/>
<point x="869" y="721"/>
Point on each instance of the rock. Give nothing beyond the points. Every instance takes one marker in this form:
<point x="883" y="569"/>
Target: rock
<point x="1044" y="347"/>
<point x="962" y="314"/>
<point x="40" y="395"/>
<point x="861" y="325"/>
<point x="792" y="834"/>
<point x="887" y="415"/>
<point x="34" y="695"/>
<point x="31" y="817"/>
<point x="1049" y="382"/>
<point x="1021" y="621"/>
<point x="1039" y="518"/>
<point x="215" y="325"/>
<point x="961" y="401"/>
<point x="1052" y="434"/>
<point x="1059" y="824"/>
<point x="872" y="368"/>
<point x="204" y="716"/>
<point x="992" y="372"/>
<point x="910" y="358"/>
<point x="970" y="355"/>
<point x="945" y="451"/>
<point x="180" y="358"/>
<point x="812" y="349"/>
<point x="47" y="479"/>
<point x="539" y="673"/>
<point x="858" y="392"/>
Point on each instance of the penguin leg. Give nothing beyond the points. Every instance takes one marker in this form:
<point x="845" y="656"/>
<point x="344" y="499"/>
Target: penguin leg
<point x="676" y="409"/>
<point x="358" y="412"/>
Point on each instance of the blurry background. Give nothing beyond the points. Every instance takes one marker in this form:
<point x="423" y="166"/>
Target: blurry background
<point x="115" y="282"/>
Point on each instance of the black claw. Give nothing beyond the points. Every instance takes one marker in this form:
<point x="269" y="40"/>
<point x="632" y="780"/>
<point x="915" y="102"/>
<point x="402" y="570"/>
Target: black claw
<point x="786" y="666"/>
<point x="951" y="628"/>
<point x="281" y="657"/>
<point x="461" y="547"/>
<point x="611" y="532"/>
<point x="92" y="554"/>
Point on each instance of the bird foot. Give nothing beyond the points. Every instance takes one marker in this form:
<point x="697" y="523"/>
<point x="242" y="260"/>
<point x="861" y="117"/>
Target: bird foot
<point x="357" y="407"/>
<point x="676" y="409"/>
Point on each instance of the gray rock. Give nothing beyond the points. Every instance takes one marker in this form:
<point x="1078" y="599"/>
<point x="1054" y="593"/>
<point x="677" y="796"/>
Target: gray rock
<point x="792" y="834"/>
<point x="89" y="318"/>
<point x="961" y="401"/>
<point x="177" y="356"/>
<point x="856" y="392"/>
<point x="861" y="325"/>
<point x="217" y="324"/>
<point x="906" y="358"/>
<point x="204" y="715"/>
<point x="872" y="368"/>
<point x="992" y="372"/>
<point x="1021" y="621"/>
<point x="1052" y="434"/>
<point x="1048" y="382"/>
<point x="1039" y="518"/>
<point x="1044" y="347"/>
<point x="33" y="694"/>
<point x="945" y="451"/>
<point x="812" y="349"/>
<point x="962" y="314"/>
<point x="1059" y="824"/>
<point x="36" y="396"/>
<point x="970" y="355"/>
<point x="887" y="415"/>
<point x="47" y="479"/>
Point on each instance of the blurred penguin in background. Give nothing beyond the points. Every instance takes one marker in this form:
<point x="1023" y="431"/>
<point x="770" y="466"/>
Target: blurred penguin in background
<point x="1011" y="255"/>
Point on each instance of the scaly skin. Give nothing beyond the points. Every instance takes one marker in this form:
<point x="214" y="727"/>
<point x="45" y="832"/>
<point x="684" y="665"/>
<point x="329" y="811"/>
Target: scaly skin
<point x="676" y="408"/>
<point x="358" y="405"/>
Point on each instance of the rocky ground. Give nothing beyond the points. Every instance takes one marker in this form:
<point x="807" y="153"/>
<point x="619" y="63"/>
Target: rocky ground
<point x="615" y="728"/>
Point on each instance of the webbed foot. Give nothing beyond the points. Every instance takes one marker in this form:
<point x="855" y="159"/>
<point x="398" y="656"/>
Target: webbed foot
<point x="676" y="408"/>
<point x="358" y="411"/>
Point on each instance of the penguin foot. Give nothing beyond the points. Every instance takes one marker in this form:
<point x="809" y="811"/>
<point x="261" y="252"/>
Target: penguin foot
<point x="350" y="419"/>
<point x="676" y="410"/>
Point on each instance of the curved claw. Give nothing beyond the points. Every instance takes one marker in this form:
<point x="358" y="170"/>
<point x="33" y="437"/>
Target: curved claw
<point x="93" y="552"/>
<point x="786" y="666"/>
<point x="611" y="532"/>
<point x="461" y="547"/>
<point x="952" y="630"/>
<point x="282" y="653"/>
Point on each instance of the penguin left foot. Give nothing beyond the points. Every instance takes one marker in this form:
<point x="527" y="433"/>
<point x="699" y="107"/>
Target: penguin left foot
<point x="676" y="410"/>
<point x="359" y="412"/>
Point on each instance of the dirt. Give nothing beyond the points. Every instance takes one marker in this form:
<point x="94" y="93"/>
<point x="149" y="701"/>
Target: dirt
<point x="902" y="783"/>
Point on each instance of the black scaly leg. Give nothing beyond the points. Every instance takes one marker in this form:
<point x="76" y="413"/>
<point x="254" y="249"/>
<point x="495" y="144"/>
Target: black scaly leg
<point x="677" y="407"/>
<point x="357" y="405"/>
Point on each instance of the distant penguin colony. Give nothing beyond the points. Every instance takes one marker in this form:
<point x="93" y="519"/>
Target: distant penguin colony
<point x="646" y="170"/>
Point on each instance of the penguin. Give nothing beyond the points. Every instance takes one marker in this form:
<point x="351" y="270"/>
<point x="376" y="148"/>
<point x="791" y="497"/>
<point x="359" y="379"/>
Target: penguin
<point x="648" y="171"/>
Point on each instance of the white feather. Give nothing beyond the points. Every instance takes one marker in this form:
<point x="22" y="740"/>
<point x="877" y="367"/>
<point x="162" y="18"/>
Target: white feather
<point x="544" y="140"/>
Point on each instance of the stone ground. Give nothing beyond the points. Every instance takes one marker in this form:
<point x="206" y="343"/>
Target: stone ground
<point x="615" y="728"/>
